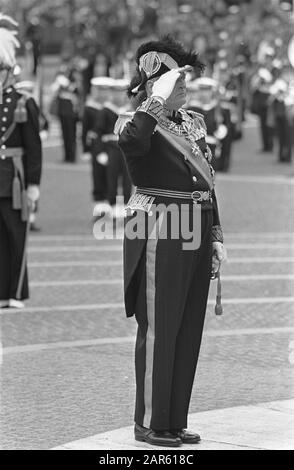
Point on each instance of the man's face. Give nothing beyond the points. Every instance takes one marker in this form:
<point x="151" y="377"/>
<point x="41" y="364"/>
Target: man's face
<point x="179" y="94"/>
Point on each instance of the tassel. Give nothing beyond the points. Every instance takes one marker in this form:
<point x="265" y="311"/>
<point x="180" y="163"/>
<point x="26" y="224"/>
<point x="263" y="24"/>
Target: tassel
<point x="24" y="206"/>
<point x="16" y="193"/>
<point x="218" y="306"/>
<point x="20" y="113"/>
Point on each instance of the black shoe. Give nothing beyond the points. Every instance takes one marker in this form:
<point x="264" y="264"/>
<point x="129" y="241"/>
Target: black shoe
<point x="187" y="437"/>
<point x="156" y="438"/>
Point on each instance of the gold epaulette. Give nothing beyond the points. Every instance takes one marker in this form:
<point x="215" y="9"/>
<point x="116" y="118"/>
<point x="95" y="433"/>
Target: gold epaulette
<point x="122" y="121"/>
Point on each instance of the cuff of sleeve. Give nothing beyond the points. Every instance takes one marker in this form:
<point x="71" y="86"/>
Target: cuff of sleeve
<point x="151" y="106"/>
<point x="217" y="234"/>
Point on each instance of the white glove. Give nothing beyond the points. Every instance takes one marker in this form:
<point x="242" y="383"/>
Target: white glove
<point x="221" y="132"/>
<point x="33" y="194"/>
<point x="102" y="158"/>
<point x="220" y="251"/>
<point x="44" y="135"/>
<point x="163" y="87"/>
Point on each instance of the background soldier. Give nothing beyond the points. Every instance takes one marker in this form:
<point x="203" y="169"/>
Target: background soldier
<point x="204" y="98"/>
<point x="282" y="122"/>
<point x="93" y="128"/>
<point x="29" y="88"/>
<point x="68" y="106"/>
<point x="20" y="172"/>
<point x="116" y="169"/>
<point x="261" y="83"/>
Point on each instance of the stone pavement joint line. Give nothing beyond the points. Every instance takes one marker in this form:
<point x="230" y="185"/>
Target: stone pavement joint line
<point x="120" y="305"/>
<point x="60" y="264"/>
<point x="131" y="339"/>
<point x="99" y="282"/>
<point x="263" y="426"/>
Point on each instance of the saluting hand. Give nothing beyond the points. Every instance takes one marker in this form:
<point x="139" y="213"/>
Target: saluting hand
<point x="163" y="87"/>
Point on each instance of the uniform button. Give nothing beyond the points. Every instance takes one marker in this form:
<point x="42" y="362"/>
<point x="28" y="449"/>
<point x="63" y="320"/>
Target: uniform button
<point x="8" y="100"/>
<point x="194" y="179"/>
<point x="3" y="147"/>
<point x="3" y="129"/>
<point x="6" y="110"/>
<point x="3" y="157"/>
<point x="4" y="119"/>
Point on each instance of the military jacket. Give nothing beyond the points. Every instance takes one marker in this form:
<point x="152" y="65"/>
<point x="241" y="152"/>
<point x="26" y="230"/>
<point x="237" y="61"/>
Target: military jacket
<point x="25" y="135"/>
<point x="98" y="127"/>
<point x="154" y="161"/>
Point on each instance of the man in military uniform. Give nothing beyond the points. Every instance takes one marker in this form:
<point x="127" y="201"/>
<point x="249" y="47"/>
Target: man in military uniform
<point x="20" y="172"/>
<point x="260" y="85"/>
<point x="280" y="104"/>
<point x="99" y="138"/>
<point x="93" y="128"/>
<point x="116" y="168"/>
<point x="166" y="286"/>
<point x="204" y="98"/>
<point x="29" y="88"/>
<point x="68" y="98"/>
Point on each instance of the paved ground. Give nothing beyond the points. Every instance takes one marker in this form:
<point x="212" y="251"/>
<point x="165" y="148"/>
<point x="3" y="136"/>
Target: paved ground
<point x="223" y="429"/>
<point x="67" y="370"/>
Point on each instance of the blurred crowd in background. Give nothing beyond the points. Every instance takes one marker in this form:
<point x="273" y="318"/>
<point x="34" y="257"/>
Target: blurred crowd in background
<point x="247" y="47"/>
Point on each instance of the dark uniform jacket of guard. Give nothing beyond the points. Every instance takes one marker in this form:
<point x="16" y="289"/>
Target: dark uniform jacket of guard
<point x="154" y="162"/>
<point x="91" y="123"/>
<point x="98" y="136"/>
<point x="98" y="121"/>
<point x="25" y="135"/>
<point x="222" y="161"/>
<point x="20" y="166"/>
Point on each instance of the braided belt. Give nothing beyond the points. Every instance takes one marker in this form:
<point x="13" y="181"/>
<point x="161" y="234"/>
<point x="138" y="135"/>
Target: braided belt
<point x="196" y="196"/>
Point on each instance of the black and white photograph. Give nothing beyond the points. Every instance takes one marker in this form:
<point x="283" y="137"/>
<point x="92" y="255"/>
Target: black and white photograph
<point x="146" y="228"/>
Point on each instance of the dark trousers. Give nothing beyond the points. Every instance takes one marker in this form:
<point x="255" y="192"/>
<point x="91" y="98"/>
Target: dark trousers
<point x="283" y="131"/>
<point x="69" y="130"/>
<point x="99" y="178"/>
<point x="13" y="285"/>
<point x="117" y="168"/>
<point x="266" y="130"/>
<point x="172" y="296"/>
